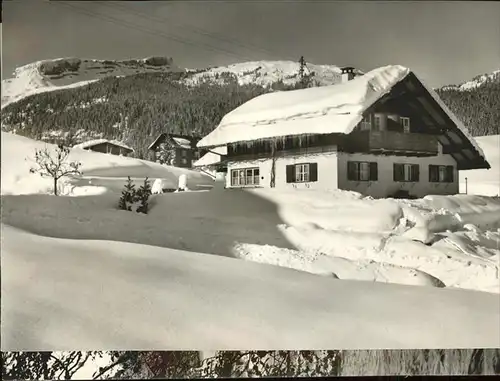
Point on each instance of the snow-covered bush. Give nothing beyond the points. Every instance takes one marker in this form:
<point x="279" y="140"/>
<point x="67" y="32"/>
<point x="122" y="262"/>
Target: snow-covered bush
<point x="157" y="186"/>
<point x="135" y="200"/>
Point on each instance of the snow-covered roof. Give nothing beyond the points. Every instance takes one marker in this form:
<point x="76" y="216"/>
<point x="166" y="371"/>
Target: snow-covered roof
<point x="211" y="158"/>
<point x="92" y="143"/>
<point x="184" y="143"/>
<point x="328" y="109"/>
<point x="318" y="110"/>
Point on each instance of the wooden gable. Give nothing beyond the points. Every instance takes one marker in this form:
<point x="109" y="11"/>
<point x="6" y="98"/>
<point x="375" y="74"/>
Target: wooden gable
<point x="411" y="98"/>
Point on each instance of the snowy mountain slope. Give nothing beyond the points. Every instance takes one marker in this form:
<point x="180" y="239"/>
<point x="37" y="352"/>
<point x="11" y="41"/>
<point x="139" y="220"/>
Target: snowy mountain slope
<point x="475" y="82"/>
<point x="266" y="73"/>
<point x="63" y="73"/>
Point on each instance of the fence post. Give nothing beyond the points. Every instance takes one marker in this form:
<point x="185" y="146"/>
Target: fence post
<point x="466" y="185"/>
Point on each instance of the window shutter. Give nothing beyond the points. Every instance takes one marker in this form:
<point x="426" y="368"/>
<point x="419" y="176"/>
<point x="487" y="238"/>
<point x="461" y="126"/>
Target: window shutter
<point x="313" y="169"/>
<point x="373" y="171"/>
<point x="449" y="173"/>
<point x="398" y="172"/>
<point x="351" y="171"/>
<point x="415" y="176"/>
<point x="433" y="173"/>
<point x="290" y="173"/>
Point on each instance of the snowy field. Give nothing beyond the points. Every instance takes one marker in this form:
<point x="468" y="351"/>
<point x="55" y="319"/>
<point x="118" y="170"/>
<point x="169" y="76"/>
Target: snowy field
<point x="295" y="269"/>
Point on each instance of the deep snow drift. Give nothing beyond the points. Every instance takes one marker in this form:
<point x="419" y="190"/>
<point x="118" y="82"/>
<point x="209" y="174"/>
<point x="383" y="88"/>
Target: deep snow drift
<point x="101" y="264"/>
<point x="67" y="295"/>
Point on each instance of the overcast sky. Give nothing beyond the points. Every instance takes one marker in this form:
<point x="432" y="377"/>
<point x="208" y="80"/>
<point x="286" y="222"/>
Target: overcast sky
<point x="443" y="42"/>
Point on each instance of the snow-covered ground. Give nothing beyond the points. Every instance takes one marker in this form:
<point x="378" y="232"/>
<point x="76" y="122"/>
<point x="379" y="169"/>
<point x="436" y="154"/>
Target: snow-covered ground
<point x="80" y="294"/>
<point x="79" y="265"/>
<point x="482" y="181"/>
<point x="101" y="172"/>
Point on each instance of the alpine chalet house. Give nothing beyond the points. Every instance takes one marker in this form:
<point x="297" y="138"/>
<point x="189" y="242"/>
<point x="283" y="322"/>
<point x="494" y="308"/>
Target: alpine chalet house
<point x="174" y="149"/>
<point x="383" y="134"/>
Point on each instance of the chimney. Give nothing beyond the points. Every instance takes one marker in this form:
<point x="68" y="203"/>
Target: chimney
<point x="347" y="73"/>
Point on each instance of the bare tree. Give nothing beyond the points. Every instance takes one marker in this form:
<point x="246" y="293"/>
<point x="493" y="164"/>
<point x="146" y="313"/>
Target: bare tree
<point x="55" y="165"/>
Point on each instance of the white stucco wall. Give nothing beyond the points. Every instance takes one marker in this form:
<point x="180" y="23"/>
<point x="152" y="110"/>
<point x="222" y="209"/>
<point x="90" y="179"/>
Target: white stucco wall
<point x="386" y="186"/>
<point x="332" y="173"/>
<point x="327" y="170"/>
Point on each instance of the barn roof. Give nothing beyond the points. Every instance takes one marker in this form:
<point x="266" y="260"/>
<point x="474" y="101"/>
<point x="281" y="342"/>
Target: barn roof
<point x="181" y="141"/>
<point x="95" y="142"/>
<point x="335" y="109"/>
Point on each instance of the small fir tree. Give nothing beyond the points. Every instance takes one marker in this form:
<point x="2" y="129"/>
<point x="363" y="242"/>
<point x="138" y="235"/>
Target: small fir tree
<point x="302" y="66"/>
<point x="128" y="197"/>
<point x="142" y="196"/>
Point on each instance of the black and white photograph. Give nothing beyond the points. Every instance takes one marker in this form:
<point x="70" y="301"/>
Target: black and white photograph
<point x="283" y="188"/>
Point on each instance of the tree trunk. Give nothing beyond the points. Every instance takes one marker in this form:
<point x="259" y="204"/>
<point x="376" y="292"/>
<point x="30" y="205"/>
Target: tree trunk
<point x="55" y="186"/>
<point x="273" y="163"/>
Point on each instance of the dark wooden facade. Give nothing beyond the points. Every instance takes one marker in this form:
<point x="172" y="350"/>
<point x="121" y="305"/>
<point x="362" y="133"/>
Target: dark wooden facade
<point x="181" y="156"/>
<point x="391" y="143"/>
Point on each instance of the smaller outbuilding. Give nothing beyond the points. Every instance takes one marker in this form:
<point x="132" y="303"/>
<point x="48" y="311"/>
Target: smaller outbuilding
<point x="112" y="147"/>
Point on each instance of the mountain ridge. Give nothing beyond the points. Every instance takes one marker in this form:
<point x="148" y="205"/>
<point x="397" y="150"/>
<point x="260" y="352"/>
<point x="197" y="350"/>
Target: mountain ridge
<point x="71" y="72"/>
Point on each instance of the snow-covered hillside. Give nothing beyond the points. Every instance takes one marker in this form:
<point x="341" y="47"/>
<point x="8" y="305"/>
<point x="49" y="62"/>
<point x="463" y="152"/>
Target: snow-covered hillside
<point x="48" y="75"/>
<point x="101" y="172"/>
<point x="475" y="82"/>
<point x="484" y="181"/>
<point x="79" y="265"/>
<point x="266" y="73"/>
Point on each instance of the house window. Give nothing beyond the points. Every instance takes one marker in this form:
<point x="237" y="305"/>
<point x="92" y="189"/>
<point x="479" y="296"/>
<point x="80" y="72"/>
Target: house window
<point x="184" y="161"/>
<point x="366" y="123"/>
<point x="183" y="153"/>
<point x="441" y="173"/>
<point x="376" y="122"/>
<point x="302" y="173"/>
<point x="362" y="171"/>
<point x="245" y="176"/>
<point x="406" y="172"/>
<point x="405" y="122"/>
